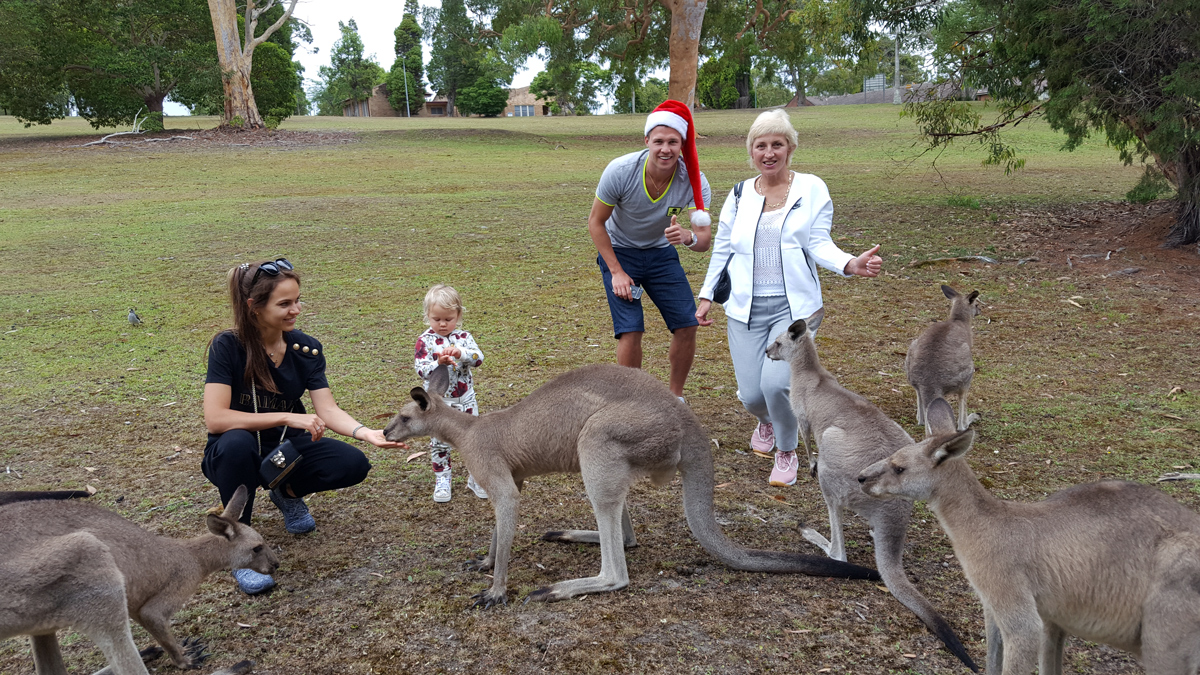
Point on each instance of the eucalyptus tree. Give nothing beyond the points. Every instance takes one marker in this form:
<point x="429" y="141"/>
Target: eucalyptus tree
<point x="235" y="52"/>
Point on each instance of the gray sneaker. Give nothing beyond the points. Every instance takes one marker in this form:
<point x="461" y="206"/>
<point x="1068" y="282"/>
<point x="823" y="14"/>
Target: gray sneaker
<point x="441" y="486"/>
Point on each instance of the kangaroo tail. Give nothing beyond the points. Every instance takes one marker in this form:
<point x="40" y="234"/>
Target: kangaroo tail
<point x="888" y="558"/>
<point x="29" y="496"/>
<point x="696" y="468"/>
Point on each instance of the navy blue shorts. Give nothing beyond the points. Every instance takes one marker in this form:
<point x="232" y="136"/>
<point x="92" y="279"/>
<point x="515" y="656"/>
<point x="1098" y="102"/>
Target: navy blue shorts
<point x="658" y="272"/>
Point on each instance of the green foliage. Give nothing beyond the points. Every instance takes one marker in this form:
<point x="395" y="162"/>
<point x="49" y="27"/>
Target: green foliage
<point x="349" y="75"/>
<point x="647" y="95"/>
<point x="113" y="58"/>
<point x="1149" y="187"/>
<point x="717" y="83"/>
<point x="484" y="98"/>
<point x="237" y="122"/>
<point x="571" y="89"/>
<point x="405" y="92"/>
<point x="455" y="59"/>
<point x="274" y="79"/>
<point x="153" y="122"/>
<point x="1128" y="70"/>
<point x="405" y="85"/>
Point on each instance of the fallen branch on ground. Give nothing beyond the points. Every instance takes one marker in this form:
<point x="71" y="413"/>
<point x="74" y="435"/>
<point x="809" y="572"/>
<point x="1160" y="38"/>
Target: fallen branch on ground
<point x="960" y="258"/>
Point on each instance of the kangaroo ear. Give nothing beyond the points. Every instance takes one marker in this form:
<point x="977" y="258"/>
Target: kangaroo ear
<point x="797" y="329"/>
<point x="950" y="293"/>
<point x="972" y="296"/>
<point x="814" y="321"/>
<point x="221" y="526"/>
<point x="439" y="380"/>
<point x="954" y="446"/>
<point x="420" y="396"/>
<point x="236" y="505"/>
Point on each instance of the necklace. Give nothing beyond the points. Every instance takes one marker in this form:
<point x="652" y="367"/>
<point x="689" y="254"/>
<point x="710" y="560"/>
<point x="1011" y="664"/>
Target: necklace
<point x="654" y="184"/>
<point x="768" y="206"/>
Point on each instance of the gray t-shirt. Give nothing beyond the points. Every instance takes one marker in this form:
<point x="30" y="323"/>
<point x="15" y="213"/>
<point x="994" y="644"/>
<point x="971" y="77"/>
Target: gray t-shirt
<point x="636" y="221"/>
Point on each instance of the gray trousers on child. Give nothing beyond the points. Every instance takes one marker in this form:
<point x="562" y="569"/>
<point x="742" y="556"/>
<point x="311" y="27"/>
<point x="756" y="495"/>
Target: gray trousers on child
<point x="763" y="384"/>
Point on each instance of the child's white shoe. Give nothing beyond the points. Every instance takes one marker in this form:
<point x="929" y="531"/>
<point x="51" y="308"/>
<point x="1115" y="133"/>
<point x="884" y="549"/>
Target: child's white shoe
<point x="441" y="486"/>
<point x="475" y="487"/>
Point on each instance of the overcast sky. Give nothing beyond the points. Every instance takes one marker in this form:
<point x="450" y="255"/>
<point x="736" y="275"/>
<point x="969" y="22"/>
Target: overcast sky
<point x="377" y="21"/>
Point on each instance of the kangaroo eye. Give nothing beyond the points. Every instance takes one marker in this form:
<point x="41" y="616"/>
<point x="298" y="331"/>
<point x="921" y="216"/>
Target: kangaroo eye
<point x="898" y="470"/>
<point x="404" y="419"/>
<point x="258" y="549"/>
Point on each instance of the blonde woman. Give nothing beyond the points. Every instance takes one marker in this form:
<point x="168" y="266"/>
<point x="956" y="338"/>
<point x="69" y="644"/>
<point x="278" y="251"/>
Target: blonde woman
<point x="773" y="233"/>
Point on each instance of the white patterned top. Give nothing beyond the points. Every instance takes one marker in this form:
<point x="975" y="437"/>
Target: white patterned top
<point x="768" y="260"/>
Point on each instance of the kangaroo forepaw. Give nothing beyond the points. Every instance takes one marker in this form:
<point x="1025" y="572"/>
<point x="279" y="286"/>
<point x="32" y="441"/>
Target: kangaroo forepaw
<point x="150" y="653"/>
<point x="489" y="598"/>
<point x="483" y="564"/>
<point x="812" y="468"/>
<point x="194" y="654"/>
<point x="971" y="419"/>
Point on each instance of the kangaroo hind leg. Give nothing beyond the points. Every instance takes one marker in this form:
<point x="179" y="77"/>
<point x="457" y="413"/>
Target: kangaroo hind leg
<point x="593" y="536"/>
<point x="607" y="484"/>
<point x="1171" y="616"/>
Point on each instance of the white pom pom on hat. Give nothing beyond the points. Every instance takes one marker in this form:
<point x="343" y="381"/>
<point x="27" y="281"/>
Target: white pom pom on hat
<point x="677" y="116"/>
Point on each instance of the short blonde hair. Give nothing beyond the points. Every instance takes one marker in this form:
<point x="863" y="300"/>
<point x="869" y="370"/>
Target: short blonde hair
<point x="773" y="122"/>
<point x="443" y="296"/>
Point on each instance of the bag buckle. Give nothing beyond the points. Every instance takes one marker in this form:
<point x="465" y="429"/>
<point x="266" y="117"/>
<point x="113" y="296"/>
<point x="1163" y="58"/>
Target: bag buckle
<point x="278" y="459"/>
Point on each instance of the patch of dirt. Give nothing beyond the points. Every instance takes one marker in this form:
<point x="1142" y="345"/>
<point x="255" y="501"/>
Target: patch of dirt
<point x="1110" y="239"/>
<point x="184" y="139"/>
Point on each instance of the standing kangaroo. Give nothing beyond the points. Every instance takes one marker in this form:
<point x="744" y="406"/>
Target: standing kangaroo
<point x="72" y="565"/>
<point x="939" y="362"/>
<point x="614" y="425"/>
<point x="850" y="435"/>
<point x="1111" y="562"/>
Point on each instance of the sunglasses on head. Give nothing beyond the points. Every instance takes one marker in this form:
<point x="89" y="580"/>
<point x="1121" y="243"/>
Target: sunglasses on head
<point x="271" y="269"/>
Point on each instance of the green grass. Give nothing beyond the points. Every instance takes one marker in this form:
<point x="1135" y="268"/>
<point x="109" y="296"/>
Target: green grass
<point x="492" y="207"/>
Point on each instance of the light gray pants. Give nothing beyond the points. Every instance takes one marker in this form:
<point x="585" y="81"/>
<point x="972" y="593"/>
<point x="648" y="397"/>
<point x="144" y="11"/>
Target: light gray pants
<point x="763" y="384"/>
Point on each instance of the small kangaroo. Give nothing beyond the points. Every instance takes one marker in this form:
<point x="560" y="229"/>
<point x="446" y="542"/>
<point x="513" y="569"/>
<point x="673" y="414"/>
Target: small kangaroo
<point x="72" y="565"/>
<point x="939" y="362"/>
<point x="1111" y="562"/>
<point x="851" y="434"/>
<point x="614" y="425"/>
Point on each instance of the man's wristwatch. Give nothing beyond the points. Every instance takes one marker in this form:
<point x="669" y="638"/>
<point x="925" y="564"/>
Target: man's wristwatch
<point x="693" y="241"/>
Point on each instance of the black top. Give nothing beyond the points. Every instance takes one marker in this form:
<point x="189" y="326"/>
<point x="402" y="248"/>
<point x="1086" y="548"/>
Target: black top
<point x="300" y="371"/>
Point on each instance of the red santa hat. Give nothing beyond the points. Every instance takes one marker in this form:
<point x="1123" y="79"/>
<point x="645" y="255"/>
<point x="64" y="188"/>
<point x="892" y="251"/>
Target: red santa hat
<point x="677" y="116"/>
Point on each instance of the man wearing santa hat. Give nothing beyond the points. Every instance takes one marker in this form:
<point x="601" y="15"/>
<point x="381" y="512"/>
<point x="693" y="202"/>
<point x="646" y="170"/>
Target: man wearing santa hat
<point x="635" y="225"/>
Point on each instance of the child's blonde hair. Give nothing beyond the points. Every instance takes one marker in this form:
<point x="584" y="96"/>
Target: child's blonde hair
<point x="443" y="296"/>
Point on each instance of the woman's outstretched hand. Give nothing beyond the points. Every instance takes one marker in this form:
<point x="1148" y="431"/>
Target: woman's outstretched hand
<point x="866" y="265"/>
<point x="375" y="437"/>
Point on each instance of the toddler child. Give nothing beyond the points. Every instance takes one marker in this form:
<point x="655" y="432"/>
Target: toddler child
<point x="445" y="344"/>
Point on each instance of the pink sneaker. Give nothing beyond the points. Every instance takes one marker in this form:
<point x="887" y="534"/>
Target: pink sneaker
<point x="786" y="465"/>
<point x="762" y="441"/>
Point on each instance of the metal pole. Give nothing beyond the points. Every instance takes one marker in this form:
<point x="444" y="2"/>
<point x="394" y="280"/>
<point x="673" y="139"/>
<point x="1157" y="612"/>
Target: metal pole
<point x="896" y="79"/>
<point x="404" y="71"/>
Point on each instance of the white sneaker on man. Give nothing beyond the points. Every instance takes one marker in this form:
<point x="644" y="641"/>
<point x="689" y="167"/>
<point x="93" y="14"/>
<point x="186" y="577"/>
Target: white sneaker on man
<point x="476" y="487"/>
<point x="441" y="486"/>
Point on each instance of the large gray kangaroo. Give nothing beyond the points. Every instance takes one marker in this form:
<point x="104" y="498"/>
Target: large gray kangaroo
<point x="1111" y="562"/>
<point x="851" y="434"/>
<point x="67" y="564"/>
<point x="614" y="425"/>
<point x="939" y="361"/>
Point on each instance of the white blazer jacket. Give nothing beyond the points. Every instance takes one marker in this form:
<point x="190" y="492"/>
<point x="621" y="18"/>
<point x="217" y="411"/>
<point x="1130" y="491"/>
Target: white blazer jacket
<point x="804" y="244"/>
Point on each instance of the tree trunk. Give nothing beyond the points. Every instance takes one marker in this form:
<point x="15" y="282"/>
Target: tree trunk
<point x="741" y="82"/>
<point x="1187" y="187"/>
<point x="154" y="102"/>
<point x="687" y="17"/>
<point x="801" y="96"/>
<point x="235" y="57"/>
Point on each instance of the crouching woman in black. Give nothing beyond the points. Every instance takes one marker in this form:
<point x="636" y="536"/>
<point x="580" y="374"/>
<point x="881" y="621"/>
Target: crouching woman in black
<point x="265" y="354"/>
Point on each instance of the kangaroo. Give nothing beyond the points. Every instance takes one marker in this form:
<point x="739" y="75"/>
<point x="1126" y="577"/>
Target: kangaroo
<point x="72" y="565"/>
<point x="1110" y="562"/>
<point x="614" y="425"/>
<point x="851" y="434"/>
<point x="939" y="360"/>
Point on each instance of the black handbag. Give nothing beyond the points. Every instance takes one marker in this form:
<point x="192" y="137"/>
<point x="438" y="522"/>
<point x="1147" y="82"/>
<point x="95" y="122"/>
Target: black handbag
<point x="281" y="461"/>
<point x="724" y="286"/>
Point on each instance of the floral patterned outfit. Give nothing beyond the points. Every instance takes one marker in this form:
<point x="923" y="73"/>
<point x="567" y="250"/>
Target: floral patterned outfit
<point x="461" y="392"/>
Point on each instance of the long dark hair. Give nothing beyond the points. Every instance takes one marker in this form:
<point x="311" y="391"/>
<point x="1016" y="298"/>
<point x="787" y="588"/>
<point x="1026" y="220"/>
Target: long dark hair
<point x="243" y="286"/>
